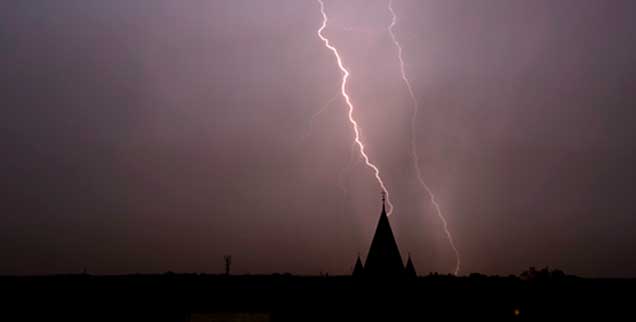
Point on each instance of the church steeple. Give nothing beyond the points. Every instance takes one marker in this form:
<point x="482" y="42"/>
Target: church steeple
<point x="409" y="271"/>
<point x="358" y="269"/>
<point x="384" y="259"/>
<point x="383" y="202"/>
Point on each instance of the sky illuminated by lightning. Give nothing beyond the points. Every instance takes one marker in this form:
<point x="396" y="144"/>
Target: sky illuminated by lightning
<point x="155" y="135"/>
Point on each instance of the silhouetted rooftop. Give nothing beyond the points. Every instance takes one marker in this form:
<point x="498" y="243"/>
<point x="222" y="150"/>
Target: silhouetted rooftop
<point x="384" y="257"/>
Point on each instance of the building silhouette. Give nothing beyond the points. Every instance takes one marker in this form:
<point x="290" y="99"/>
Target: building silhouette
<point x="384" y="259"/>
<point x="409" y="270"/>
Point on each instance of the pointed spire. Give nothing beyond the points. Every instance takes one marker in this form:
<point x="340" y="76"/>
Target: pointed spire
<point x="383" y="202"/>
<point x="358" y="269"/>
<point x="409" y="270"/>
<point x="384" y="259"/>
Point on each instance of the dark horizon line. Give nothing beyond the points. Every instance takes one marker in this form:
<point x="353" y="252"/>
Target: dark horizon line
<point x="472" y="275"/>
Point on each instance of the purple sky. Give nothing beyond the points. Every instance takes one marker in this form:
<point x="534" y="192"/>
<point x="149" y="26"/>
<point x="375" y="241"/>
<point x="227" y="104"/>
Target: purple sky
<point x="156" y="135"/>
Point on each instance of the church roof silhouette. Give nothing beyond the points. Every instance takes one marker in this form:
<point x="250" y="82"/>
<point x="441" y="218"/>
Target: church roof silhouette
<point x="358" y="269"/>
<point x="409" y="270"/>
<point x="383" y="259"/>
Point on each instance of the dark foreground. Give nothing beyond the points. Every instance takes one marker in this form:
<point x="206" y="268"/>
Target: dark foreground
<point x="193" y="297"/>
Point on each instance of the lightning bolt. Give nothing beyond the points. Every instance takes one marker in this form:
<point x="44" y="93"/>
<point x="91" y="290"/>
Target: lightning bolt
<point x="345" y="95"/>
<point x="415" y="156"/>
<point x="346" y="170"/>
<point x="313" y="118"/>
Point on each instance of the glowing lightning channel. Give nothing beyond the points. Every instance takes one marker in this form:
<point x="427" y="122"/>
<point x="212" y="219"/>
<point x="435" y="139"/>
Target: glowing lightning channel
<point x="416" y="158"/>
<point x="318" y="113"/>
<point x="354" y="123"/>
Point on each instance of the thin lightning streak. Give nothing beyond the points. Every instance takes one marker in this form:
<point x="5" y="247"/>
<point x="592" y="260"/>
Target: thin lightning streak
<point x="354" y="123"/>
<point x="414" y="154"/>
<point x="320" y="111"/>
<point x="347" y="168"/>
